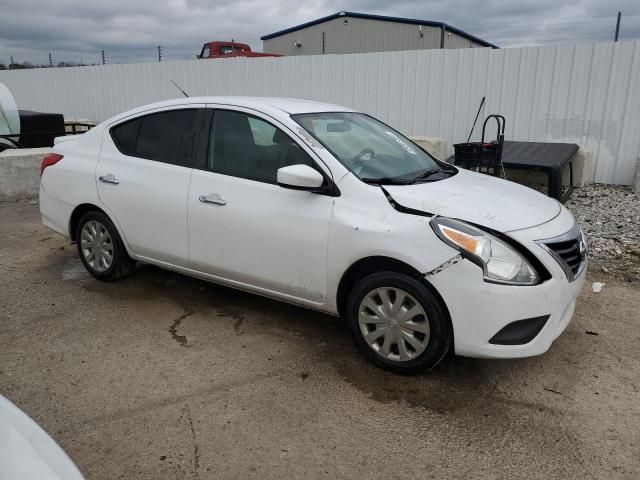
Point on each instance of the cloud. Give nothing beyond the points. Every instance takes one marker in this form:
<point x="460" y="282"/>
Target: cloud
<point x="130" y="31"/>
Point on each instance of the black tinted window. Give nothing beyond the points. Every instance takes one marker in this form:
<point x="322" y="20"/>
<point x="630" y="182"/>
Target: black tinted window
<point x="125" y="136"/>
<point x="249" y="147"/>
<point x="168" y="137"/>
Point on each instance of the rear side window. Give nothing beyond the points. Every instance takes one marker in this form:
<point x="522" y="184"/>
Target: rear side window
<point x="168" y="137"/>
<point x="125" y="136"/>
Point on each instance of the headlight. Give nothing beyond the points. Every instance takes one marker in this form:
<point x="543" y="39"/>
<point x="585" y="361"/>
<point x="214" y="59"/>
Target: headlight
<point x="500" y="262"/>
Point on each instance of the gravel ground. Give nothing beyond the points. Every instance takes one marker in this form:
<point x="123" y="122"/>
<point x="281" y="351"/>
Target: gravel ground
<point x="610" y="217"/>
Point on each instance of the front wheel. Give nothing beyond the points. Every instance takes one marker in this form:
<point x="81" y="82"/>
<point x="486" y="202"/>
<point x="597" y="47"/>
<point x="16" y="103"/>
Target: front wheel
<point x="397" y="323"/>
<point x="101" y="249"/>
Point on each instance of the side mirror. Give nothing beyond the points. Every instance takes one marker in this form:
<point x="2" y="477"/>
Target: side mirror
<point x="299" y="177"/>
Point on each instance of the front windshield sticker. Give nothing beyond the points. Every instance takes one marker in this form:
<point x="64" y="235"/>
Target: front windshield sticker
<point x="401" y="143"/>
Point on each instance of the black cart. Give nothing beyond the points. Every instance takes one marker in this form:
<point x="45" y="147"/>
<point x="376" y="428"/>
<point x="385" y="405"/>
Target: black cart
<point x="483" y="156"/>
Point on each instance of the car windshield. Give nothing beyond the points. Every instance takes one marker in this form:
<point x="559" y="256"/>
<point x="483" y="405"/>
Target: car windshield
<point x="374" y="152"/>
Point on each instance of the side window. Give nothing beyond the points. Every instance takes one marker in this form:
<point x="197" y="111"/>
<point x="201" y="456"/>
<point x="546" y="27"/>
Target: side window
<point x="205" y="52"/>
<point x="125" y="136"/>
<point x="249" y="147"/>
<point x="168" y="137"/>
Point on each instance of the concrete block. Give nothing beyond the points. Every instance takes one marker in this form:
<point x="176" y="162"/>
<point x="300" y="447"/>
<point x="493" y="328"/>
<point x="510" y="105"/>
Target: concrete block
<point x="582" y="167"/>
<point x="71" y="126"/>
<point x="20" y="171"/>
<point x="434" y="145"/>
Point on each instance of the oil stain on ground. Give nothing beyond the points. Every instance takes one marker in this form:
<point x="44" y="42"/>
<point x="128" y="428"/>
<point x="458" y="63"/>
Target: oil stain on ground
<point x="173" y="329"/>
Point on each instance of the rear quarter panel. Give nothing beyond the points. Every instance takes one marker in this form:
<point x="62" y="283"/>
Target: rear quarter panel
<point x="71" y="181"/>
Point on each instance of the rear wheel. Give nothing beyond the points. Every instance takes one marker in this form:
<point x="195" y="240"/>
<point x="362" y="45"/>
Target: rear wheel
<point x="398" y="323"/>
<point x="101" y="249"/>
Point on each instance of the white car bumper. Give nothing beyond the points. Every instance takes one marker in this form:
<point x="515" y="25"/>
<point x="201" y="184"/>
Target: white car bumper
<point x="480" y="310"/>
<point x="55" y="214"/>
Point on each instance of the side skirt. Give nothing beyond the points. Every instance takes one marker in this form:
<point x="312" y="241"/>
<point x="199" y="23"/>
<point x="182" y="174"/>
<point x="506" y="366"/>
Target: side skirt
<point x="274" y="295"/>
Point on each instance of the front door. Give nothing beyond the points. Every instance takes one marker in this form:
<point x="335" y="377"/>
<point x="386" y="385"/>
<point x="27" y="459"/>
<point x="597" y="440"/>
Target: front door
<point x="246" y="228"/>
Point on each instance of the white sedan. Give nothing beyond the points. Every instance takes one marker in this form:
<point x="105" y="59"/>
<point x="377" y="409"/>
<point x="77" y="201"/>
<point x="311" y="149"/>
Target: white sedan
<point x="327" y="208"/>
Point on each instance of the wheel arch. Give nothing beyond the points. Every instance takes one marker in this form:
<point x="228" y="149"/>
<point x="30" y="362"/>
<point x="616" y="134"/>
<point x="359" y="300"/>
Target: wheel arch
<point x="83" y="208"/>
<point x="368" y="265"/>
<point x="77" y="214"/>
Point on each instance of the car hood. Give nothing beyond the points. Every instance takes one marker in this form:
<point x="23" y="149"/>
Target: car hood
<point x="481" y="199"/>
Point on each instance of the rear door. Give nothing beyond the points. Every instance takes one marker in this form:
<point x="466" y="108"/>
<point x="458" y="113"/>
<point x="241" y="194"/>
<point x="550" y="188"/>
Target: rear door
<point x="143" y="179"/>
<point x="242" y="225"/>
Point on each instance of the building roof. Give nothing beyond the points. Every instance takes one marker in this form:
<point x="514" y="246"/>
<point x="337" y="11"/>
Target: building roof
<point x="382" y="18"/>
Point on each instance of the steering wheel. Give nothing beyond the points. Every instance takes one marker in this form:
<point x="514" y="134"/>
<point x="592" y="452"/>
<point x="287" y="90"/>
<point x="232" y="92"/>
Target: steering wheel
<point x="355" y="162"/>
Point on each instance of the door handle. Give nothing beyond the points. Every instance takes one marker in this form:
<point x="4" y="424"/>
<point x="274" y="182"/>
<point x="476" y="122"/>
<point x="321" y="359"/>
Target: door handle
<point x="212" y="198"/>
<point x="110" y="178"/>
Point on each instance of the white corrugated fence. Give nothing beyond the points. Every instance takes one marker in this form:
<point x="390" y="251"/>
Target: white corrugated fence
<point x="584" y="94"/>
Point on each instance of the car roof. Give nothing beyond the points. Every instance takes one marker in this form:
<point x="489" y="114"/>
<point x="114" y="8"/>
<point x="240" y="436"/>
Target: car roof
<point x="270" y="105"/>
<point x="288" y="105"/>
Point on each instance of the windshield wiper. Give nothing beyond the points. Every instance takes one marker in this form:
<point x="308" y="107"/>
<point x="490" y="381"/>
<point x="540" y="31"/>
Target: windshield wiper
<point x="387" y="181"/>
<point x="423" y="175"/>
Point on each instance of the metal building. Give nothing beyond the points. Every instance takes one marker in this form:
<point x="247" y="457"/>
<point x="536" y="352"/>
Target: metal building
<point x="348" y="32"/>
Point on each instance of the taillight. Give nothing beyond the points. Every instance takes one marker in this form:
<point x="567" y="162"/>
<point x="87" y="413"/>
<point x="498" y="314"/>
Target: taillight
<point x="49" y="160"/>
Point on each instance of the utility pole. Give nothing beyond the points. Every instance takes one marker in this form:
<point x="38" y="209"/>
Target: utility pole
<point x="50" y="60"/>
<point x="103" y="57"/>
<point x="11" y="64"/>
<point x="617" y="27"/>
<point x="159" y="53"/>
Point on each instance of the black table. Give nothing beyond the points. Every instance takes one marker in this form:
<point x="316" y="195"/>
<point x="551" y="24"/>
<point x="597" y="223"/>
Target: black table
<point x="549" y="158"/>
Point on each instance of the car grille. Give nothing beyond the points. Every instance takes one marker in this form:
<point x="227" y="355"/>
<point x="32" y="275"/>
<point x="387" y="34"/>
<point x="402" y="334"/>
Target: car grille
<point x="569" y="251"/>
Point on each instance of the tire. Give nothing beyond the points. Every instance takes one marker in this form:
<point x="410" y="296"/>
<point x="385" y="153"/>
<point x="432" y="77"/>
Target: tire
<point x="98" y="265"/>
<point x="420" y="325"/>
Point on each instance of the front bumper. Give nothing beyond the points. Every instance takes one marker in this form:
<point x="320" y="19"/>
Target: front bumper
<point x="479" y="310"/>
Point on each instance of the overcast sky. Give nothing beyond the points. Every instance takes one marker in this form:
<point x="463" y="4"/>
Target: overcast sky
<point x="131" y="30"/>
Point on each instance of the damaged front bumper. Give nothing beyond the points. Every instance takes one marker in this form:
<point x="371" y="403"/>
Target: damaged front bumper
<point x="509" y="321"/>
<point x="480" y="310"/>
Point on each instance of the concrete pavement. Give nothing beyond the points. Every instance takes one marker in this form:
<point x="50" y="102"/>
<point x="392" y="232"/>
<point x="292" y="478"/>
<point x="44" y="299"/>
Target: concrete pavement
<point x="163" y="376"/>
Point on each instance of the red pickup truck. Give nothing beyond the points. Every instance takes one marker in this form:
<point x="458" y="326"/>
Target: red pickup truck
<point x="230" y="49"/>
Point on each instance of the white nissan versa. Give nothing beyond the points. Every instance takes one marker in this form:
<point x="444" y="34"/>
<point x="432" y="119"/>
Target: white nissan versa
<point x="327" y="208"/>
